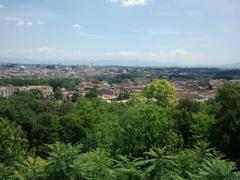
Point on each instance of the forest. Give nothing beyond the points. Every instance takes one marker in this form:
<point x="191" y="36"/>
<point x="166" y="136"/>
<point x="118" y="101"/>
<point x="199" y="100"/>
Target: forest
<point x="151" y="136"/>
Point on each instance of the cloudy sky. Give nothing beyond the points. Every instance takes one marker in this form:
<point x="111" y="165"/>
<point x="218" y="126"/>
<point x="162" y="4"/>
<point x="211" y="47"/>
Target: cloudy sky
<point x="176" y="31"/>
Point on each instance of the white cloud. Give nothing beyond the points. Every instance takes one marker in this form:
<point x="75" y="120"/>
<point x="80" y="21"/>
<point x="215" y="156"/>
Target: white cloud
<point x="45" y="49"/>
<point x="29" y="23"/>
<point x="78" y="26"/>
<point x="20" y="23"/>
<point x="177" y="56"/>
<point x="128" y="3"/>
<point x="24" y="23"/>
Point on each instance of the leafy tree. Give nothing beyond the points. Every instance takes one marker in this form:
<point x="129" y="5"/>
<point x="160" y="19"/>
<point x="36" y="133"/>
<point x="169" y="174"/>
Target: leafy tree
<point x="162" y="91"/>
<point x="94" y="165"/>
<point x="127" y="169"/>
<point x="123" y="96"/>
<point x="213" y="169"/>
<point x="13" y="145"/>
<point x="93" y="93"/>
<point x="225" y="133"/>
<point x="75" y="96"/>
<point x="5" y="172"/>
<point x="136" y="99"/>
<point x="146" y="126"/>
<point x="146" y="133"/>
<point x="45" y="130"/>
<point x="32" y="168"/>
<point x="159" y="165"/>
<point x="189" y="162"/>
<point x="106" y="133"/>
<point x="183" y="115"/>
<point x="60" y="161"/>
<point x="72" y="130"/>
<point x="201" y="126"/>
<point x="58" y="94"/>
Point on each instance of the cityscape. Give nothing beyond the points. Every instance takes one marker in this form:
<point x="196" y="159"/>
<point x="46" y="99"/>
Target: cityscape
<point x="120" y="90"/>
<point x="110" y="81"/>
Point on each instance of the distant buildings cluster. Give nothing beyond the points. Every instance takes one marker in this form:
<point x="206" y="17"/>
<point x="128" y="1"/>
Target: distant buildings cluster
<point x="6" y="91"/>
<point x="109" y="81"/>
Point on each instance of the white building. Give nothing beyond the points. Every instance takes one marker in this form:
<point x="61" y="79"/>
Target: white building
<point x="6" y="91"/>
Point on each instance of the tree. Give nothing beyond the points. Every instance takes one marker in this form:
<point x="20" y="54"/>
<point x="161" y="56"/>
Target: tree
<point x="45" y="130"/>
<point x="106" y="132"/>
<point x="123" y="96"/>
<point x="31" y="168"/>
<point x="13" y="145"/>
<point x="159" y="165"/>
<point x="162" y="91"/>
<point x="60" y="161"/>
<point x="93" y="93"/>
<point x="127" y="169"/>
<point x="145" y="126"/>
<point x="201" y="126"/>
<point x="58" y="94"/>
<point x="213" y="169"/>
<point x="94" y="165"/>
<point x="225" y="133"/>
<point x="72" y="130"/>
<point x="183" y="114"/>
<point x="5" y="172"/>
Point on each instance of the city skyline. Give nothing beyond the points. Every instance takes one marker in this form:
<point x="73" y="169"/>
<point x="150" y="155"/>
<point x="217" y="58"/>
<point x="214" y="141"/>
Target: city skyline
<point x="174" y="32"/>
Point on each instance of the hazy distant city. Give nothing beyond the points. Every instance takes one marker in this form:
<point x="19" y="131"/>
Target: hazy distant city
<point x="111" y="82"/>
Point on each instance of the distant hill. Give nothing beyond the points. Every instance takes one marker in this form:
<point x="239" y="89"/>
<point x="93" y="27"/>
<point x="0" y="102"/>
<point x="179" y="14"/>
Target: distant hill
<point x="230" y="66"/>
<point x="140" y="63"/>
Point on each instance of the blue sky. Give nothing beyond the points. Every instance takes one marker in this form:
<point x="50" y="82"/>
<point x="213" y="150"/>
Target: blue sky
<point x="174" y="31"/>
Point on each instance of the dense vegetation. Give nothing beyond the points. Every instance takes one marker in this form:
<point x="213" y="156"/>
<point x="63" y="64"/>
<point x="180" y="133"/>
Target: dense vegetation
<point x="55" y="83"/>
<point x="152" y="136"/>
<point x="119" y="78"/>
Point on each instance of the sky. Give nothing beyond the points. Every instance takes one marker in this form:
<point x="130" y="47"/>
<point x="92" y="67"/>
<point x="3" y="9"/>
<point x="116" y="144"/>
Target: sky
<point x="193" y="32"/>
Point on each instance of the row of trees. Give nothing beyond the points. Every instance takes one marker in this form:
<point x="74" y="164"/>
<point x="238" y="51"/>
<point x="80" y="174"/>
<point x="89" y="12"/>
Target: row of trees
<point x="152" y="136"/>
<point x="55" y="83"/>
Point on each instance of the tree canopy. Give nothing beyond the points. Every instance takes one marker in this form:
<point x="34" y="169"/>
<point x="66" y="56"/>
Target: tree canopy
<point x="151" y="136"/>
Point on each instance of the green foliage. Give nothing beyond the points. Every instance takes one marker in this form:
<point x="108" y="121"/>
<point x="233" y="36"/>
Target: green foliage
<point x="60" y="161"/>
<point x="213" y="169"/>
<point x="106" y="133"/>
<point x="152" y="136"/>
<point x="146" y="126"/>
<point x="94" y="165"/>
<point x="92" y="93"/>
<point x="123" y="96"/>
<point x="120" y="78"/>
<point x="201" y="126"/>
<point x="32" y="168"/>
<point x="188" y="161"/>
<point x="45" y="130"/>
<point x="162" y="91"/>
<point x="72" y="129"/>
<point x="183" y="115"/>
<point x="225" y="134"/>
<point x="159" y="165"/>
<point x="12" y="143"/>
<point x="55" y="83"/>
<point x="5" y="172"/>
<point x="58" y="94"/>
<point x="127" y="169"/>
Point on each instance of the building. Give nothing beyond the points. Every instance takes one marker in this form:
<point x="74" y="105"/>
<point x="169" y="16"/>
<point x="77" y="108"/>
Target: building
<point x="6" y="91"/>
<point x="45" y="90"/>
